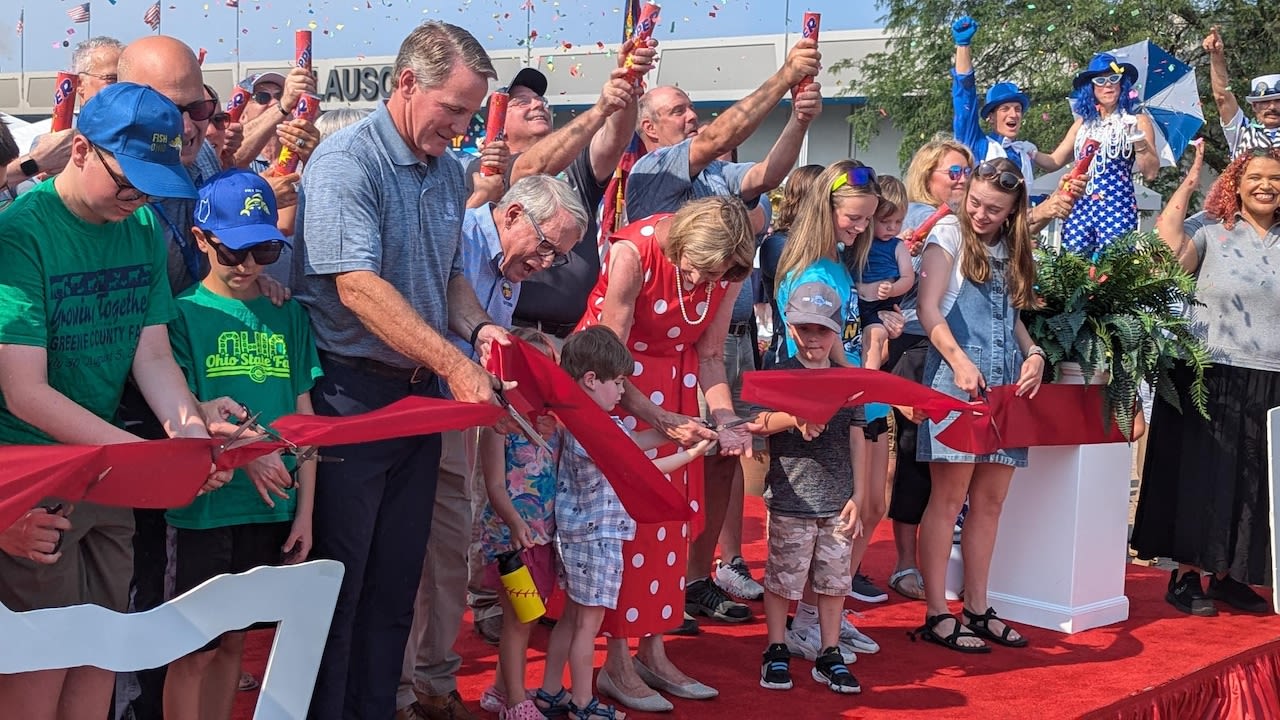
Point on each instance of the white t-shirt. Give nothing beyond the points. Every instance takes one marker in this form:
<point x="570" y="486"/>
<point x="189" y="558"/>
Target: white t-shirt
<point x="946" y="235"/>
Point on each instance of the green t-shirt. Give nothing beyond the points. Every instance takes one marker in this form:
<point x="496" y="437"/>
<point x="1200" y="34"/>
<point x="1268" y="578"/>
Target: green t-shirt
<point x="81" y="291"/>
<point x="258" y="354"/>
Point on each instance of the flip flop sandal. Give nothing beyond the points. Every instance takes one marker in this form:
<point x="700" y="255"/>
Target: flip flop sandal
<point x="981" y="626"/>
<point x="896" y="582"/>
<point x="928" y="631"/>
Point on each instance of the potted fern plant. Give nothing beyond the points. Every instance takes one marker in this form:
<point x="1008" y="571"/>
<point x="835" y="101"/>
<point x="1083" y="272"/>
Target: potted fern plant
<point x="1119" y="314"/>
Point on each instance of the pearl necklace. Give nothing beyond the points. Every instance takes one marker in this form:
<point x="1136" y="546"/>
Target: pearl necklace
<point x="680" y="300"/>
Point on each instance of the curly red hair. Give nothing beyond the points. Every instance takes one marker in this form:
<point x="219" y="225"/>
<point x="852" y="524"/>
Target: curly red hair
<point x="1223" y="201"/>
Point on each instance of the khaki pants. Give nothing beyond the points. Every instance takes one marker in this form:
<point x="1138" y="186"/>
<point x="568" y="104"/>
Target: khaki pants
<point x="429" y="660"/>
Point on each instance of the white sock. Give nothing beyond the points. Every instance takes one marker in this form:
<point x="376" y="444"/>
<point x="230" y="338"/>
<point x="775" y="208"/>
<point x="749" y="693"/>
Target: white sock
<point x="806" y="615"/>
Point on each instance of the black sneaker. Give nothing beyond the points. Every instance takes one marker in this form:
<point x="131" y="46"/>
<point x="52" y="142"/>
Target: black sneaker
<point x="1187" y="596"/>
<point x="866" y="591"/>
<point x="688" y="628"/>
<point x="1237" y="595"/>
<point x="703" y="596"/>
<point x="830" y="670"/>
<point x="775" y="671"/>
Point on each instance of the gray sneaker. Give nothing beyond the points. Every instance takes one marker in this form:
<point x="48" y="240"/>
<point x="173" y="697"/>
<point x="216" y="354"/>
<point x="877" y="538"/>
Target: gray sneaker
<point x="734" y="577"/>
<point x="866" y="591"/>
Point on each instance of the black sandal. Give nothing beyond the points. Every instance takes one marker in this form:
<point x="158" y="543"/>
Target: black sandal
<point x="928" y="632"/>
<point x="593" y="709"/>
<point x="981" y="626"/>
<point x="552" y="706"/>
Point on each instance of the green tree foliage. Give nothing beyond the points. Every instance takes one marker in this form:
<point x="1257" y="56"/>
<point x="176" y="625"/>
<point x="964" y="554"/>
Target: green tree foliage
<point x="1041" y="44"/>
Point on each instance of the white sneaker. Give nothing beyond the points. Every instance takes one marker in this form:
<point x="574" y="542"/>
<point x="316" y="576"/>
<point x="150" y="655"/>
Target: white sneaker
<point x="734" y="577"/>
<point x="807" y="644"/>
<point x="854" y="640"/>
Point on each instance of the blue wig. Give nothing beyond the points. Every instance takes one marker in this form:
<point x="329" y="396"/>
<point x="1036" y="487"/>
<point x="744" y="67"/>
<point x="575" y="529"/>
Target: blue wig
<point x="1084" y="104"/>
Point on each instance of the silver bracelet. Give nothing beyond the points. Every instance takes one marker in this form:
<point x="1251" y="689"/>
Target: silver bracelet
<point x="1037" y="350"/>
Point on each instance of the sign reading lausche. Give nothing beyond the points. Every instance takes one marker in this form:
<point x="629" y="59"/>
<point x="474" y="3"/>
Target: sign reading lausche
<point x="353" y="84"/>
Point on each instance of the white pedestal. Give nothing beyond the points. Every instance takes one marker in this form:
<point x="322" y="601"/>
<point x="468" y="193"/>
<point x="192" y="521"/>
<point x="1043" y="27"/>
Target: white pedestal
<point x="1060" y="556"/>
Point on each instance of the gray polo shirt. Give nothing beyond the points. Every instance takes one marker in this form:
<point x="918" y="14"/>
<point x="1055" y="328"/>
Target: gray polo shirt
<point x="481" y="253"/>
<point x="368" y="203"/>
<point x="1238" y="284"/>
<point x="660" y="181"/>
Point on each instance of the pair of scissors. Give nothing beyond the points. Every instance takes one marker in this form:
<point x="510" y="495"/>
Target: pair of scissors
<point x="235" y="440"/>
<point x="525" y="427"/>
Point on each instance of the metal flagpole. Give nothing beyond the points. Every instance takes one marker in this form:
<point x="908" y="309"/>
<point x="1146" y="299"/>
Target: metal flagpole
<point x="238" y="76"/>
<point x="22" y="54"/>
<point x="159" y="17"/>
<point x="88" y="24"/>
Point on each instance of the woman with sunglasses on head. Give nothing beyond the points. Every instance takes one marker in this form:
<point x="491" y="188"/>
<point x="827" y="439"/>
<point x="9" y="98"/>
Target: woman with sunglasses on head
<point x="977" y="273"/>
<point x="1105" y="107"/>
<point x="667" y="289"/>
<point x="1204" y="501"/>
<point x="833" y="218"/>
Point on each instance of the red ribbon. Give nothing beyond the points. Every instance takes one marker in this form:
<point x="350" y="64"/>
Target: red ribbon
<point x="542" y="385"/>
<point x="1057" y="415"/>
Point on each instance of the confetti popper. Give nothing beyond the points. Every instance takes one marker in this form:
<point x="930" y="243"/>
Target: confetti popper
<point x="64" y="100"/>
<point x="808" y="30"/>
<point x="645" y="24"/>
<point x="495" y="124"/>
<point x="1081" y="168"/>
<point x="308" y="108"/>
<point x="302" y="49"/>
<point x="236" y="105"/>
<point x="916" y="243"/>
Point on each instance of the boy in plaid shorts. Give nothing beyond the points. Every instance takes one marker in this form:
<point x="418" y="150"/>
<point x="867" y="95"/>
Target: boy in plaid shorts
<point x="813" y="516"/>
<point x="591" y="523"/>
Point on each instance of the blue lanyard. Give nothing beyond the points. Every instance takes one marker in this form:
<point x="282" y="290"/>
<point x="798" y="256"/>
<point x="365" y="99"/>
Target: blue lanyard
<point x="189" y="256"/>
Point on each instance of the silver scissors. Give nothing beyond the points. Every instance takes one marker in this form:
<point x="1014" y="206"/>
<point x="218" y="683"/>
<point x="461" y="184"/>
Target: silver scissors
<point x="525" y="427"/>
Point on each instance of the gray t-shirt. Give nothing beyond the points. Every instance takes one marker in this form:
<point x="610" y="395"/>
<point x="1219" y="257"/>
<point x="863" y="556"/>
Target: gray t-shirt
<point x="916" y="214"/>
<point x="660" y="181"/>
<point x="811" y="478"/>
<point x="1240" y="318"/>
<point x="368" y="203"/>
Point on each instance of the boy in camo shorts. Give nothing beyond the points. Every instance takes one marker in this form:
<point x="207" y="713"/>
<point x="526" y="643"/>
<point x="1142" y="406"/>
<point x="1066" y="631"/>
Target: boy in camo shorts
<point x="813" y="517"/>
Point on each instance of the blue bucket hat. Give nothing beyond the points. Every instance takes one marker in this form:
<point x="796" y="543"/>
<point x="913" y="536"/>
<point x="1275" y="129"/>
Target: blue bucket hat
<point x="1001" y="93"/>
<point x="239" y="208"/>
<point x="1104" y="64"/>
<point x="142" y="129"/>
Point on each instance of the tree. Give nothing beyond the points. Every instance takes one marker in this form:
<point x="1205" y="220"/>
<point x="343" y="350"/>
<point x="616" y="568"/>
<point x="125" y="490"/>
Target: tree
<point x="1041" y="44"/>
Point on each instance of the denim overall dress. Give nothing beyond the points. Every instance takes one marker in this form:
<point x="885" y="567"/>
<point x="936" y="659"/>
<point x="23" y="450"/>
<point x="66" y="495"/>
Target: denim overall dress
<point x="982" y="321"/>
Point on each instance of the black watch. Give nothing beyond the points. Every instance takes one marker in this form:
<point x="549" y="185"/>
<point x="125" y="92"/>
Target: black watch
<point x="29" y="167"/>
<point x="280" y="107"/>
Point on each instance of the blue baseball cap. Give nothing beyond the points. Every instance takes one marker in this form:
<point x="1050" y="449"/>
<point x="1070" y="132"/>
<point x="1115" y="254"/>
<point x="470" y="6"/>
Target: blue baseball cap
<point x="239" y="208"/>
<point x="1001" y="93"/>
<point x="142" y="129"/>
<point x="1104" y="64"/>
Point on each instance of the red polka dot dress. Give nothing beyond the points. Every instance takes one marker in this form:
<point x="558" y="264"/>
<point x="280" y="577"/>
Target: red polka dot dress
<point x="662" y="341"/>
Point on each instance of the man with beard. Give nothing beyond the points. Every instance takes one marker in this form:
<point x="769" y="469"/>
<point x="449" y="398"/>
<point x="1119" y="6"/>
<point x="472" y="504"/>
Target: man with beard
<point x="1242" y="135"/>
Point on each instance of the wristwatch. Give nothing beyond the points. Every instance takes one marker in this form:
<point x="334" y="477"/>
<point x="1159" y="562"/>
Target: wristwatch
<point x="29" y="166"/>
<point x="280" y="107"/>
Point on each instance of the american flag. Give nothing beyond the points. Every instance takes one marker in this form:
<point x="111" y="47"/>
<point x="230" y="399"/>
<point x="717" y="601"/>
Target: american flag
<point x="152" y="17"/>
<point x="21" y="14"/>
<point x="233" y="3"/>
<point x="79" y="13"/>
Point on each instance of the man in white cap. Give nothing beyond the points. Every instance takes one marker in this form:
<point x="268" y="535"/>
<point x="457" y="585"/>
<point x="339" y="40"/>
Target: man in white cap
<point x="1264" y="97"/>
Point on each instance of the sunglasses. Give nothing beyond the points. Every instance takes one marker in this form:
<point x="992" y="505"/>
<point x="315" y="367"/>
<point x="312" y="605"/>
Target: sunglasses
<point x="1263" y="88"/>
<point x="124" y="191"/>
<point x="1104" y="80"/>
<point x="262" y="97"/>
<point x="108" y="79"/>
<point x="545" y="248"/>
<point x="861" y="176"/>
<point x="956" y="172"/>
<point x="263" y="253"/>
<point x="1003" y="178"/>
<point x="220" y="120"/>
<point x="200" y="110"/>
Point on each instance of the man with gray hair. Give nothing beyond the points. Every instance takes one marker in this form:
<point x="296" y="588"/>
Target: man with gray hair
<point x="94" y="61"/>
<point x="532" y="228"/>
<point x="377" y="262"/>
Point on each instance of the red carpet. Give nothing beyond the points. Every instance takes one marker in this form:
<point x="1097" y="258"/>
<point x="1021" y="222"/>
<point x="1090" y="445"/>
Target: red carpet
<point x="1116" y="671"/>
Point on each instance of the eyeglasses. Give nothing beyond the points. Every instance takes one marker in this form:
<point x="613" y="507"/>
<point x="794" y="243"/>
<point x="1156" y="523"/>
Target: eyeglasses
<point x="545" y="248"/>
<point x="124" y="191"/>
<point x="1005" y="179"/>
<point x="956" y="172"/>
<point x="262" y="97"/>
<point x="1262" y="88"/>
<point x="110" y="79"/>
<point x="263" y="253"/>
<point x="860" y="176"/>
<point x="200" y="110"/>
<point x="1104" y="80"/>
<point x="524" y="100"/>
<point x="220" y="120"/>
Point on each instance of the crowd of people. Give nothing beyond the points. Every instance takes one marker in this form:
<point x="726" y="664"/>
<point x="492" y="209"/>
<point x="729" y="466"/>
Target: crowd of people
<point x="161" y="276"/>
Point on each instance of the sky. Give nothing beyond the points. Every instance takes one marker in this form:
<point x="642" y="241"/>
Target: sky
<point x="355" y="28"/>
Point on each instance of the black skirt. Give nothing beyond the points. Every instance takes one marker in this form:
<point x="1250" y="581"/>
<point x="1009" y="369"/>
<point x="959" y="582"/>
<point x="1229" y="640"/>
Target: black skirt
<point x="1204" y="499"/>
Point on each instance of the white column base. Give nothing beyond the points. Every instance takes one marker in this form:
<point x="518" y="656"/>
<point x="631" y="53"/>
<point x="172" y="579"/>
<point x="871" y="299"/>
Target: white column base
<point x="1060" y="557"/>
